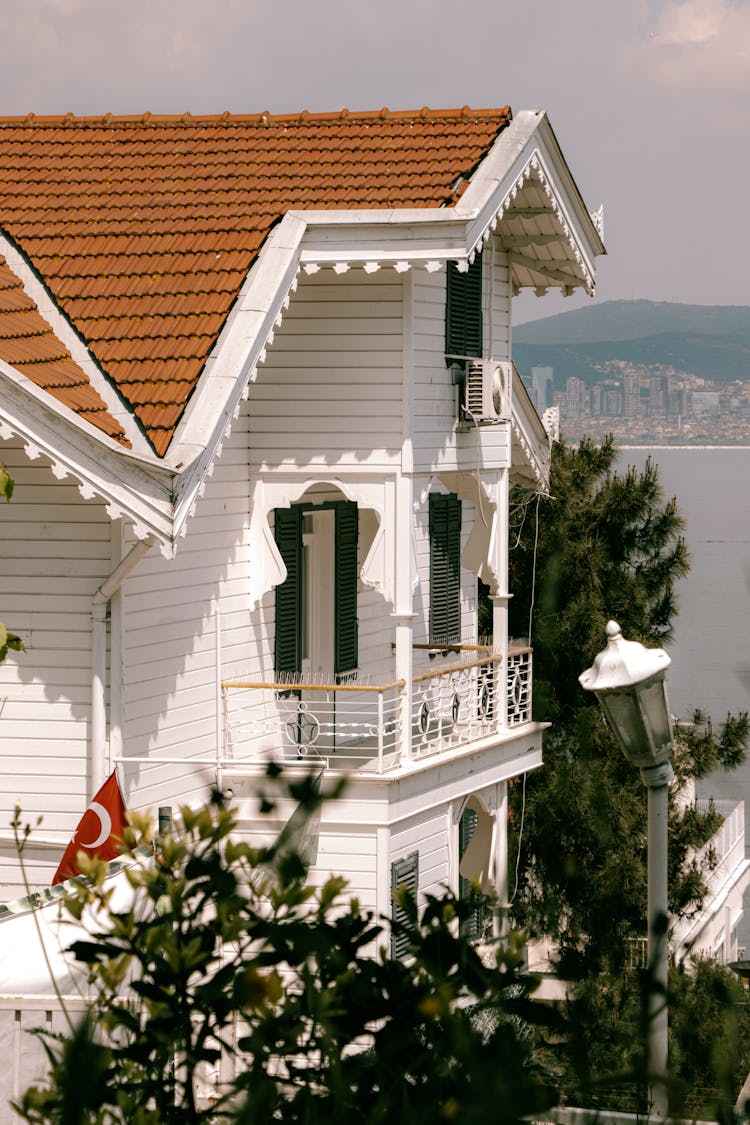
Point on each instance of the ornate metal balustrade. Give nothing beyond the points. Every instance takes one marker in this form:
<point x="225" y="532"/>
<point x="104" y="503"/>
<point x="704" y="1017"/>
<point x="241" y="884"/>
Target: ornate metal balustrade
<point x="454" y="705"/>
<point x="359" y="726"/>
<point x="354" y="725"/>
<point x="519" y="684"/>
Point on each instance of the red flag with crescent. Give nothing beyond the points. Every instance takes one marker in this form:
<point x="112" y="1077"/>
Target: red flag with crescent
<point x="100" y="830"/>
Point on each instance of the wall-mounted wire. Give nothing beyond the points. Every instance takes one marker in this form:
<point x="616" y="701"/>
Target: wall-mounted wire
<point x="520" y="840"/>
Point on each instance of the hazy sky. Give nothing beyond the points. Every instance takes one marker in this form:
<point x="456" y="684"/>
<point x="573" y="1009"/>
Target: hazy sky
<point x="650" y="99"/>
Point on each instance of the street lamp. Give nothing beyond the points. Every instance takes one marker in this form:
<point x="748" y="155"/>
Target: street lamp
<point x="629" y="682"/>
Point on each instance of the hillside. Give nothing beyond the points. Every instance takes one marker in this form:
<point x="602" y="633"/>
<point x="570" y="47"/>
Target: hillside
<point x="710" y="341"/>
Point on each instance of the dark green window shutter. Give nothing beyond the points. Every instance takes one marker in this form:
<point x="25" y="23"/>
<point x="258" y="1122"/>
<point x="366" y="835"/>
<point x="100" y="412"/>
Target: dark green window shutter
<point x="463" y="310"/>
<point x="404" y="876"/>
<point x="345" y="654"/>
<point x="445" y="569"/>
<point x="471" y="927"/>
<point x="288" y="647"/>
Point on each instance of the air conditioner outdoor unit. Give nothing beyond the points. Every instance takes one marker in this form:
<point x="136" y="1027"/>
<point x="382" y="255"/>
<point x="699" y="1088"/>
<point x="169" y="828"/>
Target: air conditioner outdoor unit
<point x="486" y="390"/>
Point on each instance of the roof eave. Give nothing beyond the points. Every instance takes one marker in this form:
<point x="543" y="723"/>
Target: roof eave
<point x="528" y="150"/>
<point x="135" y="488"/>
<point x="35" y="288"/>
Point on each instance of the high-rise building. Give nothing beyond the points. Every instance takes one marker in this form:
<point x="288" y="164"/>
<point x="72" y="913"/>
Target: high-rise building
<point x="676" y="401"/>
<point x="631" y="389"/>
<point x="658" y="395"/>
<point x="612" y="402"/>
<point x="706" y="403"/>
<point x="541" y="384"/>
<point x="576" y="398"/>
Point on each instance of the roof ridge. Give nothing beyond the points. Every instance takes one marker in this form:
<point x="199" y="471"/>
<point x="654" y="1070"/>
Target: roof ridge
<point x="264" y="117"/>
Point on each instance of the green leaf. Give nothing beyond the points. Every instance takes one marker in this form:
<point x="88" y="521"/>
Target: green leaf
<point x="7" y="483"/>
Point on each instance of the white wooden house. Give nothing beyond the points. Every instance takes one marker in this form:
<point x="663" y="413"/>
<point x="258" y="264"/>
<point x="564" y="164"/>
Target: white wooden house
<point x="257" y="395"/>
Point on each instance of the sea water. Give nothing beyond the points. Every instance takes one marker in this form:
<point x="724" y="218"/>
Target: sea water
<point x="710" y="666"/>
<point x="710" y="655"/>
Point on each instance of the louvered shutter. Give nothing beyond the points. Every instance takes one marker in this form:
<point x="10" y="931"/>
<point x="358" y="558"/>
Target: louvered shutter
<point x="445" y="569"/>
<point x="345" y="655"/>
<point x="404" y="876"/>
<point x="471" y="927"/>
<point x="463" y="310"/>
<point x="288" y="646"/>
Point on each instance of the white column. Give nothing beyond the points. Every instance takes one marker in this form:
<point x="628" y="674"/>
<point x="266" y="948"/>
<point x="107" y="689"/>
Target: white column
<point x="501" y="858"/>
<point x="501" y="596"/>
<point x="403" y="609"/>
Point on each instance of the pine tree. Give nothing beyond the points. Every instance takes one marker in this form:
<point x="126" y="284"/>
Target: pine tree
<point x="603" y="545"/>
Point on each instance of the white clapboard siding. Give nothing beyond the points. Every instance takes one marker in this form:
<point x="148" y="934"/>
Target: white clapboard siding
<point x="433" y="398"/>
<point x="57" y="552"/>
<point x="330" y="390"/>
<point x="427" y="834"/>
<point x="152" y="787"/>
<point x="350" y="852"/>
<point x="497" y="322"/>
<point x="436" y="444"/>
<point x="168" y="626"/>
<point x="341" y="849"/>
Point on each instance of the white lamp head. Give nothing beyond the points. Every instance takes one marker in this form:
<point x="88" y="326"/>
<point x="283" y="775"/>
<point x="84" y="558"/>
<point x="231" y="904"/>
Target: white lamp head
<point x="629" y="682"/>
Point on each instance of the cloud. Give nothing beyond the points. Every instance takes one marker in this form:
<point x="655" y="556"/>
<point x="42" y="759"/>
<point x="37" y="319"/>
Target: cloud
<point x="699" y="50"/>
<point x="692" y="22"/>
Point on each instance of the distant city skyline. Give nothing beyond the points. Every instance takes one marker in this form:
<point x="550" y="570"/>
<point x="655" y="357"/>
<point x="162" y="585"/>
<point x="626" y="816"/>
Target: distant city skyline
<point x="648" y="99"/>
<point x="646" y="406"/>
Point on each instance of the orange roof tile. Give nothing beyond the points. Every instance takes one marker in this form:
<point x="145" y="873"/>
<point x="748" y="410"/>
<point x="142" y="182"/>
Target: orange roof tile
<point x="28" y="343"/>
<point x="143" y="228"/>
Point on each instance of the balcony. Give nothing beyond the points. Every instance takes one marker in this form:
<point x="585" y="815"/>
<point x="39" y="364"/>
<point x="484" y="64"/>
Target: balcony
<point x="359" y="726"/>
<point x="726" y="872"/>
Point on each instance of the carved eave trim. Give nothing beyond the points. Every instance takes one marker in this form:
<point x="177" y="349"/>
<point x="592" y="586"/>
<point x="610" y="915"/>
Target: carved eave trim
<point x="527" y="153"/>
<point x="133" y="489"/>
<point x="530" y="436"/>
<point x="232" y="365"/>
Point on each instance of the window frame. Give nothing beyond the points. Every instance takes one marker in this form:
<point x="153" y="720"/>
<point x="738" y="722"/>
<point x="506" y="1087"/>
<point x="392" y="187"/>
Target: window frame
<point x="288" y="632"/>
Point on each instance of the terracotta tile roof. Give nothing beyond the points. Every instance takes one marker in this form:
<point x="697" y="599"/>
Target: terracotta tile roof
<point x="28" y="343"/>
<point x="143" y="229"/>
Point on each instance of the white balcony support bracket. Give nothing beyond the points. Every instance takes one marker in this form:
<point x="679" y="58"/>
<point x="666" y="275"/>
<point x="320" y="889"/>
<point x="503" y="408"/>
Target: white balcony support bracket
<point x="484" y="552"/>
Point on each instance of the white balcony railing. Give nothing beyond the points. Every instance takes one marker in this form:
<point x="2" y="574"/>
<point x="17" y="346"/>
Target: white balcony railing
<point x="727" y="845"/>
<point x="360" y="726"/>
<point x="454" y="705"/>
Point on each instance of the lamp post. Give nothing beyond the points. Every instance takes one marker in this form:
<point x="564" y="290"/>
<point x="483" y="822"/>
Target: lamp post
<point x="629" y="682"/>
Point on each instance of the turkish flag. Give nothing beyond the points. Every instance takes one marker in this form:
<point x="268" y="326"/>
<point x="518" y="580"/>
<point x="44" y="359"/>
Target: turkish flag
<point x="100" y="830"/>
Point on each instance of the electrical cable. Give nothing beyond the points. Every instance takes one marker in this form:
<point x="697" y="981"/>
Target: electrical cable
<point x="520" y="839"/>
<point x="513" y="516"/>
